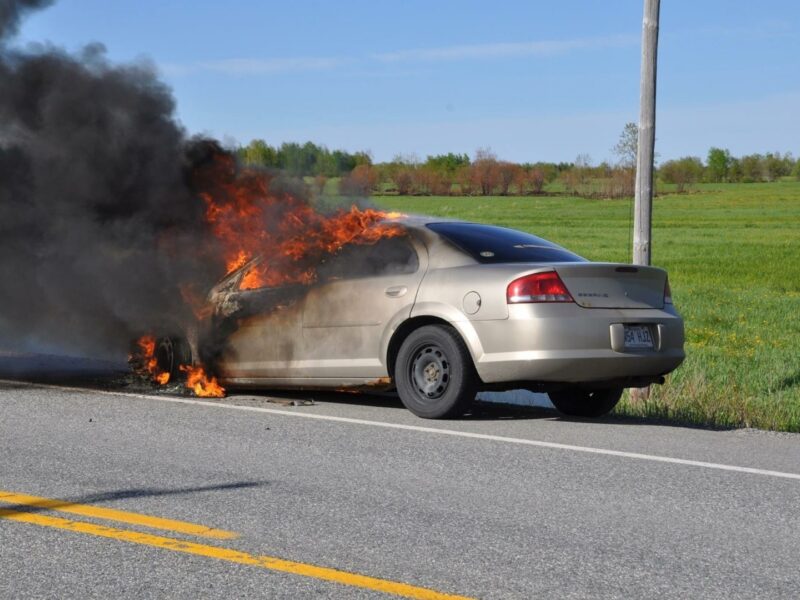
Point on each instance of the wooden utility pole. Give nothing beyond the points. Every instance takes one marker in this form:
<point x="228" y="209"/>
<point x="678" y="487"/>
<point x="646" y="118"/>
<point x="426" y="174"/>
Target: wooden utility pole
<point x="643" y="206"/>
<point x="643" y="203"/>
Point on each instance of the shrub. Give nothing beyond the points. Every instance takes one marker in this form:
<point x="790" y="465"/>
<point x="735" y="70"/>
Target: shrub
<point x="359" y="182"/>
<point x="682" y="172"/>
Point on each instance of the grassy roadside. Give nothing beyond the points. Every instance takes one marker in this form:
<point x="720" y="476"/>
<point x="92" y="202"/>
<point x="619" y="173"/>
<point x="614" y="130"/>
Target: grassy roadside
<point x="733" y="254"/>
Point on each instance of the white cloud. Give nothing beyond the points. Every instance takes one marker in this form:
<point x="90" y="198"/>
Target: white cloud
<point x="507" y="49"/>
<point x="267" y="65"/>
<point x="254" y="66"/>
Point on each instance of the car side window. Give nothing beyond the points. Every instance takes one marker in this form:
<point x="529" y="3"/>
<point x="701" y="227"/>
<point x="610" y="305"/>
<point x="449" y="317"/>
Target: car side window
<point x="387" y="256"/>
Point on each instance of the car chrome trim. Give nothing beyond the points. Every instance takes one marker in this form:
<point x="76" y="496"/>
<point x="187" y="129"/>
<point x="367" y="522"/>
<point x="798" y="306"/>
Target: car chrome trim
<point x="305" y="364"/>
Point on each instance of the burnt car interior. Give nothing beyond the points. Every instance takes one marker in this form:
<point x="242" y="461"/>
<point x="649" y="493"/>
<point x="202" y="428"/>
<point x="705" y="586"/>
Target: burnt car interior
<point x="387" y="256"/>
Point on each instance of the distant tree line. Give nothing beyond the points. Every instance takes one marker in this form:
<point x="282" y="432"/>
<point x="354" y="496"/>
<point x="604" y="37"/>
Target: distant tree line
<point x="487" y="175"/>
<point x="721" y="166"/>
<point x="302" y="160"/>
<point x="446" y="174"/>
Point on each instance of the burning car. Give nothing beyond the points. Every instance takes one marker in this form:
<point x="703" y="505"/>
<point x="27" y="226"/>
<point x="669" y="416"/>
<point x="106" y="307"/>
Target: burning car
<point x="439" y="310"/>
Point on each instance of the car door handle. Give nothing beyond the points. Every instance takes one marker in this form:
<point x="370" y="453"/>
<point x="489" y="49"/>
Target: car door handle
<point x="396" y="291"/>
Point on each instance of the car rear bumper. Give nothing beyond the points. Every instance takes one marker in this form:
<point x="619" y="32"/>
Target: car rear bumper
<point x="565" y="343"/>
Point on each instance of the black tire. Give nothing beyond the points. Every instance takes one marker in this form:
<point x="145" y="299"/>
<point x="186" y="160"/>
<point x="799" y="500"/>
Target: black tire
<point x="576" y="402"/>
<point x="171" y="353"/>
<point x="434" y="374"/>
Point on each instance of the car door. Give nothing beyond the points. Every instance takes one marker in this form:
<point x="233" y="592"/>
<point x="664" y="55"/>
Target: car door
<point x="360" y="291"/>
<point x="258" y="331"/>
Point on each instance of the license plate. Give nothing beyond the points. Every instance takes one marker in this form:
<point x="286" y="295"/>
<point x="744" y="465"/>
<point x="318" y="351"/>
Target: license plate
<point x="638" y="336"/>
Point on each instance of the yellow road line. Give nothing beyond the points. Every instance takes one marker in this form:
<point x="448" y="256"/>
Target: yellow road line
<point x="227" y="554"/>
<point x="111" y="514"/>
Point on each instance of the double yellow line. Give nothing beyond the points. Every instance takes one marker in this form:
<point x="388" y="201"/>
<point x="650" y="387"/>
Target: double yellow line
<point x="34" y="505"/>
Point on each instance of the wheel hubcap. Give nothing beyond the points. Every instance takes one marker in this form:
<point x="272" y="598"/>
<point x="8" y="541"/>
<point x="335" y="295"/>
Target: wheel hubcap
<point x="430" y="372"/>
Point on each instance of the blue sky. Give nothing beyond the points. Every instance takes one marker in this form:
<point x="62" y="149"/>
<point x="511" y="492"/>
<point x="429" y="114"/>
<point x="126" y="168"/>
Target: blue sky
<point x="531" y="80"/>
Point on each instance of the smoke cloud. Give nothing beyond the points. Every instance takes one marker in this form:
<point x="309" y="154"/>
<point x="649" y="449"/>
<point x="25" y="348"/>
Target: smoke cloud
<point x="11" y="11"/>
<point x="100" y="227"/>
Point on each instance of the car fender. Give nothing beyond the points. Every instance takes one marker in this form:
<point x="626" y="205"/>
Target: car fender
<point x="446" y="313"/>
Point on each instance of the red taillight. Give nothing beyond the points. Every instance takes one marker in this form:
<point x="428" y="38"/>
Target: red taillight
<point x="539" y="287"/>
<point x="667" y="293"/>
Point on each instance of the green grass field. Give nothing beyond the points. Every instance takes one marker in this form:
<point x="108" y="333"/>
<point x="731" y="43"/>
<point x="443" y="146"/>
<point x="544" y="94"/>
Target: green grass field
<point x="733" y="256"/>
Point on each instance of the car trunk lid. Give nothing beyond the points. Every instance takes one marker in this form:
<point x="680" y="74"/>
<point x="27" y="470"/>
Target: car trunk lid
<point x="604" y="285"/>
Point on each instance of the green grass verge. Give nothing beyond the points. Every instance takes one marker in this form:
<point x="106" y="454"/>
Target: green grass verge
<point x="733" y="255"/>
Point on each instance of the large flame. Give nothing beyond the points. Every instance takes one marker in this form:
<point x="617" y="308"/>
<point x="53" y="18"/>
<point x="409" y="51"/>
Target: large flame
<point x="249" y="220"/>
<point x="286" y="234"/>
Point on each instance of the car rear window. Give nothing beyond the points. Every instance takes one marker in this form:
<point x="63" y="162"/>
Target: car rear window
<point x="490" y="244"/>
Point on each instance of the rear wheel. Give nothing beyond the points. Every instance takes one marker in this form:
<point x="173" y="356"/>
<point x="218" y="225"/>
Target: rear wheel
<point x="576" y="402"/>
<point x="434" y="374"/>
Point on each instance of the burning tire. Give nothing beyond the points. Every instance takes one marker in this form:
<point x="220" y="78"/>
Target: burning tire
<point x="585" y="403"/>
<point x="170" y="354"/>
<point x="434" y="373"/>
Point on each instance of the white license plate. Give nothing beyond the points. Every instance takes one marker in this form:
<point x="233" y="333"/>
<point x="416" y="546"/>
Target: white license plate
<point x="638" y="336"/>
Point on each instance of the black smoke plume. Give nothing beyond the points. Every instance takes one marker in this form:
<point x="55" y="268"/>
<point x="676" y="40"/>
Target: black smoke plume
<point x="99" y="224"/>
<point x="11" y="11"/>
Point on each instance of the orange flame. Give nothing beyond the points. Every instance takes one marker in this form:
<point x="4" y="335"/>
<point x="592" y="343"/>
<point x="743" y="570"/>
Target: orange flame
<point x="196" y="378"/>
<point x="249" y="220"/>
<point x="146" y="356"/>
<point x="202" y="384"/>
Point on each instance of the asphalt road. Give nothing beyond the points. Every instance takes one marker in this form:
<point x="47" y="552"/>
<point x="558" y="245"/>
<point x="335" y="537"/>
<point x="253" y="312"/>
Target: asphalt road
<point x="504" y="504"/>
